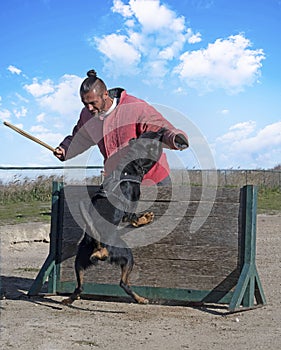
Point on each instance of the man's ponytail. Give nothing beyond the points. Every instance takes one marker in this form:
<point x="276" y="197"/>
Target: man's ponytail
<point x="92" y="82"/>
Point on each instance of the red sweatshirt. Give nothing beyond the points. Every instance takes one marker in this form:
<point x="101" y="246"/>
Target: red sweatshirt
<point x="131" y="118"/>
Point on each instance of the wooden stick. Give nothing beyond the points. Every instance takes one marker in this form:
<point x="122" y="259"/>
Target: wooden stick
<point x="25" y="134"/>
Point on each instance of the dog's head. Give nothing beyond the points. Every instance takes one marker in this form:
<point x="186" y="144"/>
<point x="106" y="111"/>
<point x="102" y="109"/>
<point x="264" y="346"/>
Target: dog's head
<point x="144" y="152"/>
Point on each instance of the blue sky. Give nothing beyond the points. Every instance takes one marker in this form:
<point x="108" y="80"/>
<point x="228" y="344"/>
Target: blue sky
<point x="216" y="63"/>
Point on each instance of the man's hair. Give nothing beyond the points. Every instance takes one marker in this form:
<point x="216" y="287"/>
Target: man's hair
<point x="92" y="83"/>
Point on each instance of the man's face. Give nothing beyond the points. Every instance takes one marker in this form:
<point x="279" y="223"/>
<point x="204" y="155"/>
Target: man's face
<point x="94" y="102"/>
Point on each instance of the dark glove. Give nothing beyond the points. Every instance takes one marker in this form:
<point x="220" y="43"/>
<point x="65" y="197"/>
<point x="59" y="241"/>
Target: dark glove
<point x="181" y="142"/>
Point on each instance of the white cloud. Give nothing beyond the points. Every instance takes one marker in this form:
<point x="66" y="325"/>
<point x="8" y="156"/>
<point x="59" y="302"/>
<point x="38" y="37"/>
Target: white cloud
<point x="5" y="114"/>
<point x="50" y="138"/>
<point x="21" y="112"/>
<point x="65" y="97"/>
<point x="150" y="14"/>
<point x="193" y="38"/>
<point x="173" y="48"/>
<point x="154" y="17"/>
<point x="21" y="98"/>
<point x="237" y="132"/>
<point x="118" y="49"/>
<point x="180" y="91"/>
<point x="122" y="9"/>
<point x="62" y="97"/>
<point x="39" y="89"/>
<point x="38" y="129"/>
<point x="14" y="70"/>
<point x="245" y="146"/>
<point x="229" y="64"/>
<point x="152" y="33"/>
<point x="46" y="135"/>
<point x="41" y="117"/>
<point x="159" y="69"/>
<point x="19" y="125"/>
<point x="267" y="138"/>
<point x="225" y="111"/>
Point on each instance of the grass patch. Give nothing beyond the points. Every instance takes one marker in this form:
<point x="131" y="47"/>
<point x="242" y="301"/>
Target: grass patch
<point x="21" y="212"/>
<point x="25" y="200"/>
<point x="269" y="200"/>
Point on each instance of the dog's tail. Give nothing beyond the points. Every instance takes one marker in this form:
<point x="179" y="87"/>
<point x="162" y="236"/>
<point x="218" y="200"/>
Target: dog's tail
<point x="90" y="229"/>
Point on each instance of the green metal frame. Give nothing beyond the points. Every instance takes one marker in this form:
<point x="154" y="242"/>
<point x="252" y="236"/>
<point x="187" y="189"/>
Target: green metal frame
<point x="249" y="286"/>
<point x="247" y="290"/>
<point x="49" y="270"/>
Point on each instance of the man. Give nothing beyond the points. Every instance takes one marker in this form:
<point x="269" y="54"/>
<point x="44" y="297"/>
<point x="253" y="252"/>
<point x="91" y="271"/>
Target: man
<point x="110" y="119"/>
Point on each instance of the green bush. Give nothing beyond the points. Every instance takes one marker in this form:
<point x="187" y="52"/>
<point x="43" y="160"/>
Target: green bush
<point x="27" y="190"/>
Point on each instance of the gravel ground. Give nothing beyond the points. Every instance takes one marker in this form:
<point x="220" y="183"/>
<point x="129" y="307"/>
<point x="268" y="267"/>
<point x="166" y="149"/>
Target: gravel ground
<point x="44" y="323"/>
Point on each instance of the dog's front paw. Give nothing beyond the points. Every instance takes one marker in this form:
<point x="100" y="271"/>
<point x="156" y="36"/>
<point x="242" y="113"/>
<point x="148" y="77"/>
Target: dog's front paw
<point x="144" y="219"/>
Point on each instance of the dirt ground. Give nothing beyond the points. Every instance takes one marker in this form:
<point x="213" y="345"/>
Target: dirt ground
<point x="43" y="323"/>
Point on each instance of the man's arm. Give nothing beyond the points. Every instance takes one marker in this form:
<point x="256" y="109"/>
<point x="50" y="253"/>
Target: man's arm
<point x="76" y="143"/>
<point x="173" y="138"/>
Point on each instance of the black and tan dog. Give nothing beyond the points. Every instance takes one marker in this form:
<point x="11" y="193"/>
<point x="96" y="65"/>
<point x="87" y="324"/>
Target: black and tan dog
<point x="118" y="196"/>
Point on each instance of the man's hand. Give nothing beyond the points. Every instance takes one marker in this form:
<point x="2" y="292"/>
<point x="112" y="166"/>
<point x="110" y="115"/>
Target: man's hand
<point x="181" y="142"/>
<point x="60" y="153"/>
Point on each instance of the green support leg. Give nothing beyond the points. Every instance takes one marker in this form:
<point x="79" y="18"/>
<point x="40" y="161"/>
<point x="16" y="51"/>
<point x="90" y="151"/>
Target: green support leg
<point x="48" y="270"/>
<point x="249" y="287"/>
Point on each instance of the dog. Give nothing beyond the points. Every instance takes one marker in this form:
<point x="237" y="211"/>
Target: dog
<point x="117" y="197"/>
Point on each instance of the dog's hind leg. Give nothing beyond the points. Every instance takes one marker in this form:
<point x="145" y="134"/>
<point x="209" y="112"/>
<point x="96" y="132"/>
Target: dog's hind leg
<point x="126" y="269"/>
<point x="82" y="262"/>
<point x="79" y="270"/>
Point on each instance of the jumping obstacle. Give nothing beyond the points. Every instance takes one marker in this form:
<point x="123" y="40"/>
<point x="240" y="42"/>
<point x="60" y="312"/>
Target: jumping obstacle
<point x="211" y="262"/>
